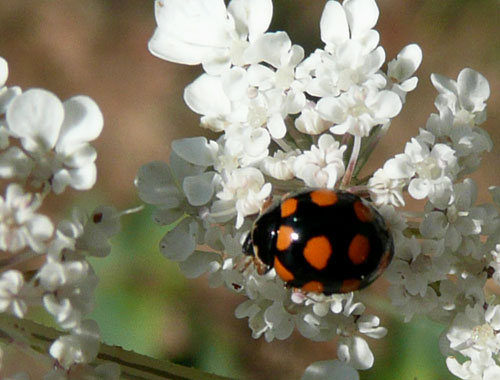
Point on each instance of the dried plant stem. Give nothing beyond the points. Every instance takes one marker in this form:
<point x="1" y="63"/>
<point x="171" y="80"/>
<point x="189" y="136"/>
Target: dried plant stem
<point x="133" y="365"/>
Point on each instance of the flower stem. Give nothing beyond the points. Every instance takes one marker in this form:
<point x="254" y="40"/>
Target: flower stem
<point x="17" y="259"/>
<point x="346" y="180"/>
<point x="283" y="145"/>
<point x="132" y="365"/>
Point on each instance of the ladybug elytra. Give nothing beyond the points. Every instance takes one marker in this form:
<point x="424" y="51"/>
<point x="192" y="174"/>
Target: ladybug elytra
<point x="320" y="240"/>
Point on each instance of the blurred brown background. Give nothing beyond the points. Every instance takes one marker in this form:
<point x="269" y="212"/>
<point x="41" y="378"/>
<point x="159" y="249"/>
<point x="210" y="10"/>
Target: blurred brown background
<point x="99" y="48"/>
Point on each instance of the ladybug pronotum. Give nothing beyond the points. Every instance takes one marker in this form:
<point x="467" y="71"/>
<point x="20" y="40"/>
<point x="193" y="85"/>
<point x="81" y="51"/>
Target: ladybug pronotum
<point x="320" y="240"/>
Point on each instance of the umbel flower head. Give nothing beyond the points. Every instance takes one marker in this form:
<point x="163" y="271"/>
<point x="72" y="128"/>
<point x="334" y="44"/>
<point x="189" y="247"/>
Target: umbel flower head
<point x="288" y="122"/>
<point x="44" y="145"/>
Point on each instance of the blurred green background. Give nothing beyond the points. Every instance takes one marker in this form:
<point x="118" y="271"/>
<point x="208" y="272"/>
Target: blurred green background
<point x="99" y="48"/>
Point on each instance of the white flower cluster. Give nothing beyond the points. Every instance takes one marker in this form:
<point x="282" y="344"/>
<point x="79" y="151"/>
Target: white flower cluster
<point x="286" y="122"/>
<point x="45" y="147"/>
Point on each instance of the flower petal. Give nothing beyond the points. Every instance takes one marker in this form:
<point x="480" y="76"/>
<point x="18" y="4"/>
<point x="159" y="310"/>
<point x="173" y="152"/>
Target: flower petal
<point x="473" y="90"/>
<point x="362" y="15"/>
<point x="83" y="121"/>
<point x="406" y="63"/>
<point x="82" y="178"/>
<point x="190" y="31"/>
<point x="252" y="17"/>
<point x="4" y="71"/>
<point x="156" y="185"/>
<point x="355" y="351"/>
<point x="199" y="189"/>
<point x="36" y="117"/>
<point x="206" y="96"/>
<point x="387" y="104"/>
<point x="271" y="48"/>
<point x="180" y="242"/>
<point x="196" y="150"/>
<point x="333" y="24"/>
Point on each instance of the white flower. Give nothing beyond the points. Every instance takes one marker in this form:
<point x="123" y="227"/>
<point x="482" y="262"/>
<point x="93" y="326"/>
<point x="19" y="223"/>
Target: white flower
<point x="351" y="56"/>
<point x="279" y="321"/>
<point x="355" y="351"/>
<point x="206" y="96"/>
<point x="179" y="243"/>
<point x="85" y="234"/>
<point x="354" y="20"/>
<point x="466" y="97"/>
<point x="204" y="31"/>
<point x="174" y="189"/>
<point x="468" y="140"/>
<point x="98" y="228"/>
<point x="458" y="221"/>
<point x="280" y="165"/>
<point x="249" y="145"/>
<point x="475" y="329"/>
<point x="401" y="69"/>
<point x="69" y="288"/>
<point x="244" y="98"/>
<point x="244" y="191"/>
<point x="310" y="122"/>
<point x="385" y="190"/>
<point x="158" y="185"/>
<point x="20" y="226"/>
<point x="434" y="165"/>
<point x="323" y="165"/>
<point x="473" y="334"/>
<point x="56" y="138"/>
<point x="81" y="346"/>
<point x="416" y="265"/>
<point x="358" y="110"/>
<point x="11" y="287"/>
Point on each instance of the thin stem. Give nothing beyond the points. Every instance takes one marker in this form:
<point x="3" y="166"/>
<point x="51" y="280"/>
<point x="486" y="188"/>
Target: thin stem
<point x="346" y="180"/>
<point x="283" y="145"/>
<point x="345" y="139"/>
<point x="16" y="259"/>
<point x="221" y="214"/>
<point x="301" y="140"/>
<point x="132" y="365"/>
<point x="359" y="190"/>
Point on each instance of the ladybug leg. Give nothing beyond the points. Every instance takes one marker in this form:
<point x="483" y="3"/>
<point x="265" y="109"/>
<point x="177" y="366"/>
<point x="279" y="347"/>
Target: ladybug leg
<point x="252" y="261"/>
<point x="261" y="267"/>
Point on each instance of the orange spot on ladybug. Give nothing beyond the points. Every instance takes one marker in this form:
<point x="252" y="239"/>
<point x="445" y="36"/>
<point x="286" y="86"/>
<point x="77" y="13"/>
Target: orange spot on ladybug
<point x="324" y="197"/>
<point x="363" y="212"/>
<point x="286" y="236"/>
<point x="350" y="285"/>
<point x="359" y="249"/>
<point x="317" y="251"/>
<point x="284" y="273"/>
<point x="288" y="207"/>
<point x="313" y="286"/>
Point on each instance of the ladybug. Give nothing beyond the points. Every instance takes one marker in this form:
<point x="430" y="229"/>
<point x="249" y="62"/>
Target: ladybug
<point x="320" y="240"/>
